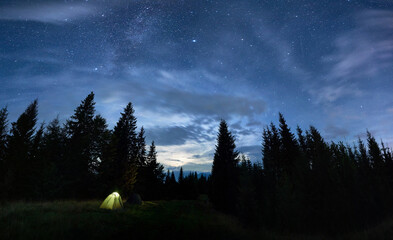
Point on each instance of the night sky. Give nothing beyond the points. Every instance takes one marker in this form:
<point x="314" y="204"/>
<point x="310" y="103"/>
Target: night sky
<point x="187" y="64"/>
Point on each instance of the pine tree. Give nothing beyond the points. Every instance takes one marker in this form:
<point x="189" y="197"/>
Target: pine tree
<point x="100" y="147"/>
<point x="173" y="181"/>
<point x="80" y="149"/>
<point x="363" y="159"/>
<point x="247" y="208"/>
<point x="374" y="153"/>
<point x="271" y="154"/>
<point x="54" y="141"/>
<point x="181" y="176"/>
<point x="182" y="185"/>
<point x="224" y="171"/>
<point x="291" y="186"/>
<point x="38" y="166"/>
<point x="289" y="149"/>
<point x="19" y="162"/>
<point x="124" y="142"/>
<point x="167" y="177"/>
<point x="141" y="148"/>
<point x="155" y="172"/>
<point x="3" y="147"/>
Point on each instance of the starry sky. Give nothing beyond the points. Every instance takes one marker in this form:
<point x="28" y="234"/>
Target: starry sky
<point x="186" y="64"/>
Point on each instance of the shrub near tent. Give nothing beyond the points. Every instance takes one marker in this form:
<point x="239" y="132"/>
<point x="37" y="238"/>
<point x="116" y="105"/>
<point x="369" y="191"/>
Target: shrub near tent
<point x="112" y="202"/>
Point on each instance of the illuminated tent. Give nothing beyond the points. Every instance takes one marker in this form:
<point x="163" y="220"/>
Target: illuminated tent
<point x="113" y="201"/>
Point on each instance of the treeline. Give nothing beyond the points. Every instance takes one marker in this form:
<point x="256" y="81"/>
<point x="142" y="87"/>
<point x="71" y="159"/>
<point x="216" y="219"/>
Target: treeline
<point x="303" y="183"/>
<point x="185" y="187"/>
<point x="79" y="159"/>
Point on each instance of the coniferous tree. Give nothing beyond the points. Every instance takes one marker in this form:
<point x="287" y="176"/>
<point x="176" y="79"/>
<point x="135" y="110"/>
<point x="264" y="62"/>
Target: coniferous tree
<point x="80" y="149"/>
<point x="182" y="185"/>
<point x="376" y="159"/>
<point x="247" y="207"/>
<point x="3" y="146"/>
<point x="291" y="186"/>
<point x="54" y="141"/>
<point x="271" y="154"/>
<point x="141" y="148"/>
<point x="19" y="160"/>
<point x="155" y="172"/>
<point x="124" y="156"/>
<point x="224" y="175"/>
<point x="173" y="186"/>
<point x="100" y="147"/>
<point x="379" y="177"/>
<point x="167" y="177"/>
<point x="272" y="166"/>
<point x="173" y="179"/>
<point x="141" y="185"/>
<point x="181" y="176"/>
<point x="38" y="166"/>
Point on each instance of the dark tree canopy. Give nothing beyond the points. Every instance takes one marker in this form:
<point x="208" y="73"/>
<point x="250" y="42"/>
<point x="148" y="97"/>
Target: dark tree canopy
<point x="302" y="184"/>
<point x="224" y="171"/>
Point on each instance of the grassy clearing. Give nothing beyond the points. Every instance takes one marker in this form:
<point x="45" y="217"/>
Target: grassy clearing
<point x="152" y="220"/>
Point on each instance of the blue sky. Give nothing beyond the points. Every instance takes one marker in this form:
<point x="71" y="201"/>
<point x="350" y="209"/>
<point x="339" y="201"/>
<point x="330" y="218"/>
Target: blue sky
<point x="187" y="64"/>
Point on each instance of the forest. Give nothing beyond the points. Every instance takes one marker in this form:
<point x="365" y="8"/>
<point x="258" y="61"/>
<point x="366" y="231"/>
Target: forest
<point x="302" y="183"/>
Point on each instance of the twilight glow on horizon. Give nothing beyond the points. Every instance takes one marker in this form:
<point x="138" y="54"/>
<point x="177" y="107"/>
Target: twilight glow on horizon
<point x="187" y="64"/>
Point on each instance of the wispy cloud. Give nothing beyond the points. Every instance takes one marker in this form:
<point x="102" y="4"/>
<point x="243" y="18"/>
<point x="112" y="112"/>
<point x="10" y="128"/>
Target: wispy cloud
<point x="331" y="93"/>
<point x="362" y="53"/>
<point x="55" y="13"/>
<point x="366" y="50"/>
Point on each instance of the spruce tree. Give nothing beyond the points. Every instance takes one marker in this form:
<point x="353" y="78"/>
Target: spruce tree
<point x="291" y="187"/>
<point x="181" y="176"/>
<point x="363" y="160"/>
<point x="3" y="147"/>
<point x="155" y="172"/>
<point x="124" y="161"/>
<point x="374" y="153"/>
<point x="141" y="185"/>
<point x="38" y="166"/>
<point x="224" y="175"/>
<point x="54" y="141"/>
<point x="80" y="149"/>
<point x="100" y="147"/>
<point x="141" y="148"/>
<point x="19" y="160"/>
<point x="182" y="187"/>
<point x="167" y="177"/>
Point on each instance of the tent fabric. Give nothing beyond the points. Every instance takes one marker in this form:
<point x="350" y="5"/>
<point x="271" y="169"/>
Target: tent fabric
<point x="112" y="202"/>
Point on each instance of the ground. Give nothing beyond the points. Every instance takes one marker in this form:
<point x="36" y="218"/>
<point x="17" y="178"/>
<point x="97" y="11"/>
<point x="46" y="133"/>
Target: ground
<point x="152" y="220"/>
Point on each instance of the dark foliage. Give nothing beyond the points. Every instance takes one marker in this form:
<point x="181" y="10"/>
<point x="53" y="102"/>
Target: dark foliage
<point x="224" y="177"/>
<point x="3" y="146"/>
<point x="302" y="184"/>
<point x="308" y="185"/>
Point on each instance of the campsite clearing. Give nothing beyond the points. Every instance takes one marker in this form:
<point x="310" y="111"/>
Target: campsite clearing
<point x="152" y="220"/>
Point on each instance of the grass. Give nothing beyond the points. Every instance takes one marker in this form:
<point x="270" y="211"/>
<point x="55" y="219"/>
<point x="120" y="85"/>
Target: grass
<point x="152" y="220"/>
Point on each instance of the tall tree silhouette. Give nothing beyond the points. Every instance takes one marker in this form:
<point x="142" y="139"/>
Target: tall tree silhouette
<point x="224" y="171"/>
<point x="155" y="173"/>
<point x="100" y="147"/>
<point x="3" y="146"/>
<point x="19" y="161"/>
<point x="291" y="185"/>
<point x="141" y="148"/>
<point x="54" y="141"/>
<point x="142" y="181"/>
<point x="124" y="160"/>
<point x="80" y="157"/>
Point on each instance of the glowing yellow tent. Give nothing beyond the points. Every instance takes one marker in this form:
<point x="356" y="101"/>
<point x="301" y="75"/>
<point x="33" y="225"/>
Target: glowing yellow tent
<point x="113" y="201"/>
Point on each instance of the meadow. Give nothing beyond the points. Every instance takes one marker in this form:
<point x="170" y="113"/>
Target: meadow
<point x="152" y="220"/>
